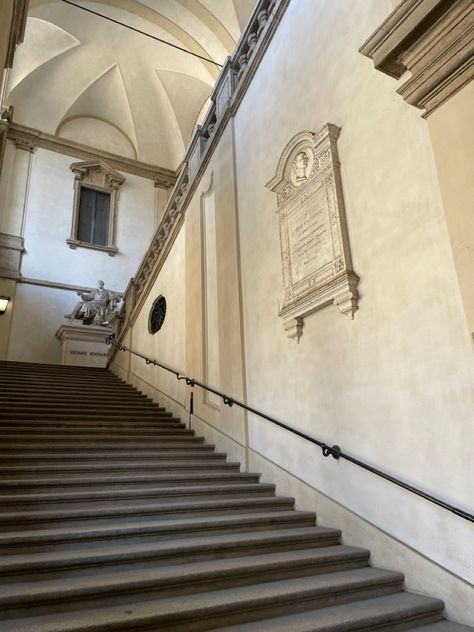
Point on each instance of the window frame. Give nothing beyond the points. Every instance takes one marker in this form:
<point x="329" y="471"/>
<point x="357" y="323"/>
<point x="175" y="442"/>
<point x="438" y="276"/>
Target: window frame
<point x="95" y="176"/>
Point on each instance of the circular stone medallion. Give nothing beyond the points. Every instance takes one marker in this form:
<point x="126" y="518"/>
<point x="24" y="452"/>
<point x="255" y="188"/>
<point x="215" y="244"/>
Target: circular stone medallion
<point x="157" y="315"/>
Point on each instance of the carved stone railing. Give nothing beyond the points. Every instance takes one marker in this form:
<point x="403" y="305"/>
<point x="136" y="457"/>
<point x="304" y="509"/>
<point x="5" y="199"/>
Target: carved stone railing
<point x="232" y="83"/>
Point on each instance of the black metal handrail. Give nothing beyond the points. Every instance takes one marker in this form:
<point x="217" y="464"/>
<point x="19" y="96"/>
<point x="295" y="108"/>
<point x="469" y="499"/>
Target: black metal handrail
<point x="335" y="451"/>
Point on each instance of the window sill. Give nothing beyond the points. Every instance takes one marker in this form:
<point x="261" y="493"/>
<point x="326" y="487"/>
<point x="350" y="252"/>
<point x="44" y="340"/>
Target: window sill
<point x="74" y="243"/>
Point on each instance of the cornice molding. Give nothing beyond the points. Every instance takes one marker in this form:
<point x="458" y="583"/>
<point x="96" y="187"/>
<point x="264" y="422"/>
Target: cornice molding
<point x="33" y="138"/>
<point x="434" y="40"/>
<point x="51" y="284"/>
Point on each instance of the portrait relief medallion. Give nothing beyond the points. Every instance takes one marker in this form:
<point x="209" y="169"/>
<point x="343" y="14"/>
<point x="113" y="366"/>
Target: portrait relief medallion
<point x="301" y="166"/>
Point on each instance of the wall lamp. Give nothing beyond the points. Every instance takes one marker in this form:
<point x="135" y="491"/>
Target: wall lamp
<point x="4" y="300"/>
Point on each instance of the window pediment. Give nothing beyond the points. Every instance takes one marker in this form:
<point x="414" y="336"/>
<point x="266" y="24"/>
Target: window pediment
<point x="98" y="173"/>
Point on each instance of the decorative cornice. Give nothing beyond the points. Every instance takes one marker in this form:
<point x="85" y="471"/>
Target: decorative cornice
<point x="434" y="40"/>
<point x="234" y="79"/>
<point x="28" y="136"/>
<point x="56" y="285"/>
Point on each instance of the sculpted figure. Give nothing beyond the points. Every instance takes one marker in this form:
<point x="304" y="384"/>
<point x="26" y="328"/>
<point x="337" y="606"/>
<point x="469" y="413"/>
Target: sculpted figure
<point x="96" y="307"/>
<point x="300" y="164"/>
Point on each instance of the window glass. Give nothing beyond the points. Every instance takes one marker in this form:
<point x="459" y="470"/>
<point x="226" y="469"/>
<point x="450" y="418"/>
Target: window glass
<point x="93" y="224"/>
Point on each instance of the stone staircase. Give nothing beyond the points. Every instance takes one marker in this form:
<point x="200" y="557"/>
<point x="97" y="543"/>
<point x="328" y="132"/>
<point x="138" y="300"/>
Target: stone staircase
<point x="115" y="517"/>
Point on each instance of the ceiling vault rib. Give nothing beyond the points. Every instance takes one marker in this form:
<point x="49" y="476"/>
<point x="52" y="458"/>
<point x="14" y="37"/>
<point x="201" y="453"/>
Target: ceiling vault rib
<point x="132" y="28"/>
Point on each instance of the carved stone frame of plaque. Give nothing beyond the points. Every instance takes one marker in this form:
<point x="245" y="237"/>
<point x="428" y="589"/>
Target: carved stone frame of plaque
<point x="315" y="253"/>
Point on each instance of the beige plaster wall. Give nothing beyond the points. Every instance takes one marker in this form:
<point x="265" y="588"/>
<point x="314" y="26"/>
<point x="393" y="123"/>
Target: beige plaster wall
<point x="182" y="342"/>
<point x="394" y="386"/>
<point x="219" y="175"/>
<point x="37" y="314"/>
<point x="452" y="133"/>
<point x="167" y="345"/>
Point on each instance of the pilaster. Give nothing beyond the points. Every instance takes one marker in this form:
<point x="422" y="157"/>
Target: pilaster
<point x="13" y="215"/>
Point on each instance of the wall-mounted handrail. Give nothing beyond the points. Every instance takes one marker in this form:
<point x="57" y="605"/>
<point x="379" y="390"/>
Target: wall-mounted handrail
<point x="335" y="451"/>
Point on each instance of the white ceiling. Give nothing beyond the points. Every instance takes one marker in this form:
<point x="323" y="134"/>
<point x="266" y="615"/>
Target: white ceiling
<point x="98" y="83"/>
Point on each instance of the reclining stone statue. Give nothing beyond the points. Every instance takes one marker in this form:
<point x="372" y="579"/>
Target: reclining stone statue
<point x="96" y="307"/>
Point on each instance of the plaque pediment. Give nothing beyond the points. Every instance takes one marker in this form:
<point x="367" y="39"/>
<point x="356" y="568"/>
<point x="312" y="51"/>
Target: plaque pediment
<point x="316" y="262"/>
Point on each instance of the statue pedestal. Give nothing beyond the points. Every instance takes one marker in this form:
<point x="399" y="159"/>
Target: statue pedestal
<point x="84" y="345"/>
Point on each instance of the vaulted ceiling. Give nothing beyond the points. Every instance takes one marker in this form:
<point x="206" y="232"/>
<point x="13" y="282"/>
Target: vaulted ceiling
<point x="87" y="79"/>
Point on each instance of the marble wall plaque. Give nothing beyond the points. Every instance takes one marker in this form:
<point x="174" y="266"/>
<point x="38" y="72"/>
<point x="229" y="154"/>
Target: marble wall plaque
<point x="316" y="262"/>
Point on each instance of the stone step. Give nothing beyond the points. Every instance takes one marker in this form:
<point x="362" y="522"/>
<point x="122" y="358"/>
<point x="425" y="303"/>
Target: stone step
<point x="65" y="414"/>
<point x="47" y="399"/>
<point x="26" y="406"/>
<point x="88" y="434"/>
<point x="401" y="611"/>
<point x="103" y="426"/>
<point x="51" y="458"/>
<point x="445" y="626"/>
<point x="85" y="497"/>
<point x="89" y="414"/>
<point x="199" y="612"/>
<point x="37" y="485"/>
<point x="99" y="441"/>
<point x="94" y="447"/>
<point x="17" y="387"/>
<point x="160" y="417"/>
<point x="64" y="371"/>
<point x="132" y="585"/>
<point x="101" y="557"/>
<point x="87" y="418"/>
<point x="73" y="399"/>
<point x="51" y="434"/>
<point x="38" y="366"/>
<point x="84" y="423"/>
<point x="38" y="549"/>
<point x="55" y="381"/>
<point x="102" y="513"/>
<point x="24" y="392"/>
<point x="181" y="463"/>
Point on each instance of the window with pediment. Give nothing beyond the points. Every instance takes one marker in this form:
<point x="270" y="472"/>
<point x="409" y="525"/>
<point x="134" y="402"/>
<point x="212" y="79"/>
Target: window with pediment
<point x="96" y="189"/>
